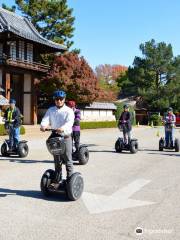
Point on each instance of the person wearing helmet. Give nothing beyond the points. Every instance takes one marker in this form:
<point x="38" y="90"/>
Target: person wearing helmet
<point x="125" y="124"/>
<point x="61" y="118"/>
<point x="12" y="118"/>
<point x="76" y="125"/>
<point x="169" y="124"/>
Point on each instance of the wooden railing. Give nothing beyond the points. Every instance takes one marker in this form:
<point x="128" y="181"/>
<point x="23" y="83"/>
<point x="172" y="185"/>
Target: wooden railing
<point x="24" y="64"/>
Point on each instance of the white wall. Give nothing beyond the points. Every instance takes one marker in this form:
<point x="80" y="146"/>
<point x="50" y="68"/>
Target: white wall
<point x="97" y="115"/>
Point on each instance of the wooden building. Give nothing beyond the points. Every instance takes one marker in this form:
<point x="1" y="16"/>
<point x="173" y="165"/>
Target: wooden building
<point x="21" y="47"/>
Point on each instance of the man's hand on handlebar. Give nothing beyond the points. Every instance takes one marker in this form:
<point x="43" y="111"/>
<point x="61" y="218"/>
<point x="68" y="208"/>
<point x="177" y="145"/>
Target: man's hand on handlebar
<point x="59" y="130"/>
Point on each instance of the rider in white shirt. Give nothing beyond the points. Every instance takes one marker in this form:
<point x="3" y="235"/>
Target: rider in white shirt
<point x="61" y="118"/>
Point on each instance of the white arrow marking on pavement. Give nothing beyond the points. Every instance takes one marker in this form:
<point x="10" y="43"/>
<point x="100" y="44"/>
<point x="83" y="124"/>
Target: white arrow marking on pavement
<point x="97" y="203"/>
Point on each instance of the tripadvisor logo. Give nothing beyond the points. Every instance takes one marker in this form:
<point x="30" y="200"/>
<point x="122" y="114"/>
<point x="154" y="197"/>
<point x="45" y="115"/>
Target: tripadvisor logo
<point x="139" y="231"/>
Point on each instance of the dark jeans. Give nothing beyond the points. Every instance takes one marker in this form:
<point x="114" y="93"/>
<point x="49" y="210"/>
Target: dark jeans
<point x="127" y="136"/>
<point x="169" y="136"/>
<point x="13" y="136"/>
<point x="76" y="139"/>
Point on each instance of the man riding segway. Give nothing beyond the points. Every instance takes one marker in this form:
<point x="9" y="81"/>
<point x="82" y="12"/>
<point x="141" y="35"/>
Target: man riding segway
<point x="81" y="153"/>
<point x="12" y="118"/>
<point x="169" y="124"/>
<point x="60" y="119"/>
<point x="126" y="143"/>
<point x="13" y="146"/>
<point x="125" y="124"/>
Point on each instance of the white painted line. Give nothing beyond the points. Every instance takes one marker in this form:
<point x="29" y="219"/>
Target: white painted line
<point x="119" y="200"/>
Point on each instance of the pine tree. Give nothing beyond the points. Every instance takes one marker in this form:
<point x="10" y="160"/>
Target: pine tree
<point x="52" y="18"/>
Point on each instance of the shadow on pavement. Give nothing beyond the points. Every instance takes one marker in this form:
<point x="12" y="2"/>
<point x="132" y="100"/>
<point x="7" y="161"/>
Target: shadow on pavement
<point x="4" y="192"/>
<point x="14" y="159"/>
<point x="147" y="150"/>
<point x="167" y="154"/>
<point x="108" y="151"/>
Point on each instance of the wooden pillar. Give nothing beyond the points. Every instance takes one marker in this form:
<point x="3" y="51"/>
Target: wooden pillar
<point x="34" y="101"/>
<point x="7" y="85"/>
<point x="27" y="99"/>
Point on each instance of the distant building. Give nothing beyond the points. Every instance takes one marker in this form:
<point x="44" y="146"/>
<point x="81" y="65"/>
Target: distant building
<point x="98" y="111"/>
<point x="21" y="47"/>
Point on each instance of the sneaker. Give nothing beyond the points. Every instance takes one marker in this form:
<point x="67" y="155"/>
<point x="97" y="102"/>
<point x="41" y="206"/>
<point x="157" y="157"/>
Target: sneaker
<point x="54" y="185"/>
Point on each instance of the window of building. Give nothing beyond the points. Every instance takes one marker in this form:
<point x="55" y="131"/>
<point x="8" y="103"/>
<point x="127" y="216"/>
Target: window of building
<point x="21" y="50"/>
<point x="13" y="50"/>
<point x="30" y="52"/>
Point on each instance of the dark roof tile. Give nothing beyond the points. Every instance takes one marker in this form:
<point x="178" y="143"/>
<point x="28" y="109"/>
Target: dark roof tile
<point x="24" y="28"/>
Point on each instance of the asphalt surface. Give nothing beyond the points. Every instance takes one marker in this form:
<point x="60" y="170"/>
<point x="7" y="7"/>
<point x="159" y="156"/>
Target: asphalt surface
<point x="26" y="214"/>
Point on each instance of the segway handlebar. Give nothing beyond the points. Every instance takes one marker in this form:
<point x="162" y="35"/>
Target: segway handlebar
<point x="54" y="131"/>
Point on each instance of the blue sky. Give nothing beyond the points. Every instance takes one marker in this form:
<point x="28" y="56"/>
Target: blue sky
<point x="110" y="31"/>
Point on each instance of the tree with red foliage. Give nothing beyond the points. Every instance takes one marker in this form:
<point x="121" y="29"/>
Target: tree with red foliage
<point x="107" y="76"/>
<point x="109" y="72"/>
<point x="72" y="74"/>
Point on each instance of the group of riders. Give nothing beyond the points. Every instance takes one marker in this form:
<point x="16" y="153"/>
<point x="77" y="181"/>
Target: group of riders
<point x="65" y="117"/>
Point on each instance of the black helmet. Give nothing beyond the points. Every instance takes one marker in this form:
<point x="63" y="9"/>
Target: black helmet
<point x="170" y="109"/>
<point x="125" y="106"/>
<point x="12" y="101"/>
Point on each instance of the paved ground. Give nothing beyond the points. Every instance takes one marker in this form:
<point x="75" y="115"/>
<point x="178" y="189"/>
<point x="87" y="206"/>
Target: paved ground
<point x="115" y="184"/>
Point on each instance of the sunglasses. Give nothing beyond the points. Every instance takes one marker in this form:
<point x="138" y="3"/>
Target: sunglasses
<point x="59" y="99"/>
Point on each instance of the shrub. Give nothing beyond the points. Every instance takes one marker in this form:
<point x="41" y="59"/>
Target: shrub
<point x="91" y="125"/>
<point x="4" y="132"/>
<point x="156" y="119"/>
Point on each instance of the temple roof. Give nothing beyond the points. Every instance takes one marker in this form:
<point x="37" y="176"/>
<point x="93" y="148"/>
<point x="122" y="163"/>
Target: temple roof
<point x="22" y="27"/>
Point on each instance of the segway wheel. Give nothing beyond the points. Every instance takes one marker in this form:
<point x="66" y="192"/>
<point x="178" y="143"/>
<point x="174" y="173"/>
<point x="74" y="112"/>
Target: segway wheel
<point x="46" y="180"/>
<point x="161" y="144"/>
<point x="23" y="150"/>
<point x="83" y="155"/>
<point x="4" y="150"/>
<point x="134" y="146"/>
<point x="75" y="186"/>
<point x="118" y="146"/>
<point x="176" y="145"/>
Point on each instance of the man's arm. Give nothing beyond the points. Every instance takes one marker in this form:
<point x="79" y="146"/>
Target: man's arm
<point x="67" y="127"/>
<point x="174" y="119"/>
<point x="129" y="117"/>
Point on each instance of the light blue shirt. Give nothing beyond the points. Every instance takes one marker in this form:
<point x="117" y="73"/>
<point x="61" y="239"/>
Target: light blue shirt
<point x="59" y="118"/>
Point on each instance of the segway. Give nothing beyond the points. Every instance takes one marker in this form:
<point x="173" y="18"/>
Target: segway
<point x="52" y="181"/>
<point x="171" y="145"/>
<point x="82" y="155"/>
<point x="20" y="150"/>
<point x="120" y="145"/>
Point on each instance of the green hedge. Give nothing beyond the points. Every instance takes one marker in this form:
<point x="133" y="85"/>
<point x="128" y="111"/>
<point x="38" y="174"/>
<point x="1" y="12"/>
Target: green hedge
<point x="4" y="132"/>
<point x="155" y="119"/>
<point x="91" y="125"/>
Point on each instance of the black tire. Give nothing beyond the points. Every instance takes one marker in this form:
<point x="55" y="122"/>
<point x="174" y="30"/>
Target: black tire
<point x="176" y="145"/>
<point x="118" y="146"/>
<point x="4" y="150"/>
<point x="75" y="186"/>
<point x="83" y="155"/>
<point x="23" y="150"/>
<point x="46" y="180"/>
<point x="134" y="146"/>
<point x="161" y="144"/>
